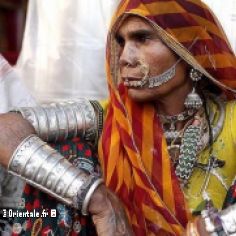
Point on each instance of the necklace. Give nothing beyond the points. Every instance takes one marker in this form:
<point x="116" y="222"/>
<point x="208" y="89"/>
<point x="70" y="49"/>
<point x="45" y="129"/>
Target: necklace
<point x="169" y="124"/>
<point x="188" y="153"/>
<point x="185" y="145"/>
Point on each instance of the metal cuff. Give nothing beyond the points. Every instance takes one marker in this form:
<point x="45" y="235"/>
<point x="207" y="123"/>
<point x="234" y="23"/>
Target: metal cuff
<point x="99" y="121"/>
<point x="228" y="219"/>
<point x="89" y="193"/>
<point x="220" y="223"/>
<point x="59" y="121"/>
<point x="47" y="170"/>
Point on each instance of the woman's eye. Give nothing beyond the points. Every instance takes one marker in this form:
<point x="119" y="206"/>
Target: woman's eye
<point x="120" y="41"/>
<point x="143" y="39"/>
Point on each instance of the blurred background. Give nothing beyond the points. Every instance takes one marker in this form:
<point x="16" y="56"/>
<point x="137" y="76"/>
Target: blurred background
<point x="12" y="21"/>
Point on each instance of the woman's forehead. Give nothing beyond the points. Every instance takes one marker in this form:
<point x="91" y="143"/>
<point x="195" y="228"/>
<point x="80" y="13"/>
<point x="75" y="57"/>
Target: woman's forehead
<point x="130" y="23"/>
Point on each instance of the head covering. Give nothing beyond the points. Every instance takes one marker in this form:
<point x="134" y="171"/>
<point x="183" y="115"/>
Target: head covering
<point x="132" y="148"/>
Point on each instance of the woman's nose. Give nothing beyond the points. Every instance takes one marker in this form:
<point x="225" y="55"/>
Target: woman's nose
<point x="128" y="56"/>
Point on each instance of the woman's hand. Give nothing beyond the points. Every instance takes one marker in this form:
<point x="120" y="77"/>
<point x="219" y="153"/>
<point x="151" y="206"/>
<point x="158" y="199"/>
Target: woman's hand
<point x="13" y="130"/>
<point x="108" y="214"/>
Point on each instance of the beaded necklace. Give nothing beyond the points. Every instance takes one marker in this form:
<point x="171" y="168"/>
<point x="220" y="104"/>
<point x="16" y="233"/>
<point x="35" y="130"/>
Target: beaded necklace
<point x="184" y="145"/>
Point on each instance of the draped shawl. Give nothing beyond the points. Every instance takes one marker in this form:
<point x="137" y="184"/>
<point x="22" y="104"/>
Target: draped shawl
<point x="132" y="149"/>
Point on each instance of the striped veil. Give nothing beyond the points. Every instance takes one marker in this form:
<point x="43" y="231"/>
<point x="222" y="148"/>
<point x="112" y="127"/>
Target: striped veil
<point x="132" y="149"/>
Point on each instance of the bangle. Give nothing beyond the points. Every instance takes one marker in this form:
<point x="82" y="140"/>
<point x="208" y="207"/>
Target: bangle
<point x="228" y="218"/>
<point x="46" y="169"/>
<point x="220" y="223"/>
<point x="99" y="121"/>
<point x="23" y="153"/>
<point x="59" y="121"/>
<point x="92" y="188"/>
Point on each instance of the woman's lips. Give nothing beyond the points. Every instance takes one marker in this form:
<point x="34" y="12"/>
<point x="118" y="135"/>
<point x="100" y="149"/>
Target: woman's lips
<point x="132" y="81"/>
<point x="132" y="78"/>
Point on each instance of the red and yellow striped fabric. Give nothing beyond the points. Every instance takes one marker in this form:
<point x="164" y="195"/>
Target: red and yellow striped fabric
<point x="132" y="149"/>
<point x="191" y="24"/>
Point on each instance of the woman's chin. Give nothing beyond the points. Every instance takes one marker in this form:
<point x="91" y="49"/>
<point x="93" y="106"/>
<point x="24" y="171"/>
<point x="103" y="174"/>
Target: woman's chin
<point x="141" y="95"/>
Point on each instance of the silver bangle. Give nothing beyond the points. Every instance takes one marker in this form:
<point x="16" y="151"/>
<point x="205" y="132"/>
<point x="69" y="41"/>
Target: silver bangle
<point x="220" y="223"/>
<point x="58" y="121"/>
<point x="53" y="124"/>
<point x="42" y="121"/>
<point x="99" y="121"/>
<point x="23" y="153"/>
<point x="86" y="201"/>
<point x="228" y="218"/>
<point x="46" y="169"/>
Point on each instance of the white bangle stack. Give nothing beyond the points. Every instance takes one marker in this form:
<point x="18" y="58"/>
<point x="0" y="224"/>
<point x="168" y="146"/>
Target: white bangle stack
<point x="220" y="223"/>
<point x="47" y="170"/>
<point x="59" y="121"/>
<point x="228" y="219"/>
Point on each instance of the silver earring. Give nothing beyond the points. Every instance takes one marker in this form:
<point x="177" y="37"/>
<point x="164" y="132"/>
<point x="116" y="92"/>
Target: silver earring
<point x="193" y="100"/>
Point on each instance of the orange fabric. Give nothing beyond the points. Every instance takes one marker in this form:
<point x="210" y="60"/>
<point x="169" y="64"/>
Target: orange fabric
<point x="136" y="166"/>
<point x="132" y="149"/>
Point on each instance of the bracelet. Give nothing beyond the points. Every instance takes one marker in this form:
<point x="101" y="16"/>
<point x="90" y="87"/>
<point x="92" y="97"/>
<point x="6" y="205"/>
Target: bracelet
<point x="46" y="169"/>
<point x="91" y="189"/>
<point x="99" y="122"/>
<point x="59" y="121"/>
<point x="220" y="223"/>
<point x="228" y="218"/>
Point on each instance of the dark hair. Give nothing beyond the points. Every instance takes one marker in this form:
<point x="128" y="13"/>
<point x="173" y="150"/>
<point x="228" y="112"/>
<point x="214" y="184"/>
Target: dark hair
<point x="207" y="86"/>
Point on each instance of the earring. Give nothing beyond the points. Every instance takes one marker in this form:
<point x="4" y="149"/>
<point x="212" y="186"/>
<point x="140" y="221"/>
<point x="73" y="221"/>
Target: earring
<point x="193" y="100"/>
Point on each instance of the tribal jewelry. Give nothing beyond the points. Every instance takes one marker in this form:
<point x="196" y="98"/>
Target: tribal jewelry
<point x="59" y="121"/>
<point x="219" y="222"/>
<point x="177" y="141"/>
<point x="163" y="78"/>
<point x="170" y="132"/>
<point x="99" y="119"/>
<point x="45" y="168"/>
<point x="188" y="153"/>
<point x="155" y="81"/>
<point x="193" y="100"/>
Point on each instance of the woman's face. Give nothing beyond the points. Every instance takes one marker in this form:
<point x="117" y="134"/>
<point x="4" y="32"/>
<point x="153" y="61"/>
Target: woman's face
<point x="142" y="52"/>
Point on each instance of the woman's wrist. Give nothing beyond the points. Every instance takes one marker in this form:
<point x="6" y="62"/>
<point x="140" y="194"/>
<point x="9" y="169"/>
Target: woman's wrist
<point x="99" y="201"/>
<point x="14" y="128"/>
<point x="108" y="213"/>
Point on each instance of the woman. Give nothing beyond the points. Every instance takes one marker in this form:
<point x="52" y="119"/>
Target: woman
<point x="153" y="125"/>
<point x="167" y="148"/>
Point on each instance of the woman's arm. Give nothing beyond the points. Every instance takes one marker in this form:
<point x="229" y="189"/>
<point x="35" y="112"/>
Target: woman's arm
<point x="30" y="158"/>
